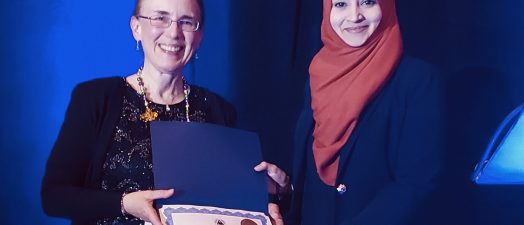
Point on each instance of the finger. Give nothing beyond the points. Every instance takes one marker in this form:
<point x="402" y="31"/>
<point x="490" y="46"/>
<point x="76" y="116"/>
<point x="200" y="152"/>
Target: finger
<point x="272" y="207"/>
<point x="270" y="168"/>
<point x="155" y="221"/>
<point x="274" y="211"/>
<point x="273" y="170"/>
<point x="261" y="166"/>
<point x="274" y="214"/>
<point x="276" y="174"/>
<point x="152" y="216"/>
<point x="161" y="194"/>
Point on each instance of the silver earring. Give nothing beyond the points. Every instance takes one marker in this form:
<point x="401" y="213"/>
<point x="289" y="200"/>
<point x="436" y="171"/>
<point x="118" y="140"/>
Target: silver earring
<point x="196" y="56"/>
<point x="138" y="45"/>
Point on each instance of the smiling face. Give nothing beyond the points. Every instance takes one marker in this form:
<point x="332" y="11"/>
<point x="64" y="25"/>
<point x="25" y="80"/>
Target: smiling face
<point x="354" y="21"/>
<point x="169" y="49"/>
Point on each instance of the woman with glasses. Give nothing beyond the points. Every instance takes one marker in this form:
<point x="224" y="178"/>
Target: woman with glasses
<point x="100" y="168"/>
<point x="367" y="143"/>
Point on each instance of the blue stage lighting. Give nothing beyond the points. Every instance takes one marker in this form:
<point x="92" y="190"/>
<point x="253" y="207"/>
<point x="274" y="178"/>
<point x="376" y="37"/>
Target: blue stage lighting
<point x="503" y="160"/>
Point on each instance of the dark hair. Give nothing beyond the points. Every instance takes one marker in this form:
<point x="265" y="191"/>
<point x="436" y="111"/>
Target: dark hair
<point x="199" y="2"/>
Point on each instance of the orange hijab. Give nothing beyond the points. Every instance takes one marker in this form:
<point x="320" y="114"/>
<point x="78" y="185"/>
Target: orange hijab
<point x="344" y="79"/>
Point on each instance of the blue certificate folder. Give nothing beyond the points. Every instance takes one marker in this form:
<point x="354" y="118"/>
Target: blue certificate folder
<point x="503" y="160"/>
<point x="208" y="165"/>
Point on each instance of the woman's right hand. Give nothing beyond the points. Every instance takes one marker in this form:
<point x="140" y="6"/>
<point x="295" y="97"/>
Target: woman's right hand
<point x="140" y="204"/>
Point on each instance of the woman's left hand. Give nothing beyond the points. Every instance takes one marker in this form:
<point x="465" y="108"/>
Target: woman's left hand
<point x="274" y="214"/>
<point x="278" y="181"/>
<point x="277" y="175"/>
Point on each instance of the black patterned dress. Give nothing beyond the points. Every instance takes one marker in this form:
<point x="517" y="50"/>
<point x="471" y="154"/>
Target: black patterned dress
<point x="128" y="165"/>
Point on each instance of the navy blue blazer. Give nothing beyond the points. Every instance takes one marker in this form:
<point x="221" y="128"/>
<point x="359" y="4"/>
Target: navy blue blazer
<point x="390" y="162"/>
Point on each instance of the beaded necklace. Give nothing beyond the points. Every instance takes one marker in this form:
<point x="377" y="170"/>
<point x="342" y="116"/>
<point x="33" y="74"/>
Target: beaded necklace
<point x="150" y="115"/>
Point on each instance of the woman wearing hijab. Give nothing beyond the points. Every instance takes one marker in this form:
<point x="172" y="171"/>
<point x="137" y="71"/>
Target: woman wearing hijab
<point x="367" y="146"/>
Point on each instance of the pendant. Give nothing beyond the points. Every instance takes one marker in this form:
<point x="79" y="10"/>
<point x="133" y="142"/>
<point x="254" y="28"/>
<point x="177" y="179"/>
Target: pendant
<point x="148" y="115"/>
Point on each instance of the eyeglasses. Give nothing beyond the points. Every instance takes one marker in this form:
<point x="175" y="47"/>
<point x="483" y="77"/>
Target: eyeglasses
<point x="186" y="24"/>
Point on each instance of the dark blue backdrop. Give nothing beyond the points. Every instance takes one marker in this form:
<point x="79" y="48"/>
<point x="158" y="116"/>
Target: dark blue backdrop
<point x="256" y="53"/>
<point x="478" y="45"/>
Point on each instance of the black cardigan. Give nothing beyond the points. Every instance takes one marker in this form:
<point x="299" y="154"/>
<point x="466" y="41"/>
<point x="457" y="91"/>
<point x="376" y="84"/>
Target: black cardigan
<point x="71" y="184"/>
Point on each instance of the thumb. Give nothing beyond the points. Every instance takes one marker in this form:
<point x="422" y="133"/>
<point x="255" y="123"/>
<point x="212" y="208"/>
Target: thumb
<point x="274" y="211"/>
<point x="161" y="194"/>
<point x="261" y="166"/>
<point x="154" y="218"/>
